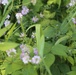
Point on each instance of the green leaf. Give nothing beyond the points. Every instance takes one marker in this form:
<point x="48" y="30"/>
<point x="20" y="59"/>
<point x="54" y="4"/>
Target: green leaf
<point x="64" y="68"/>
<point x="70" y="59"/>
<point x="58" y="2"/>
<point x="41" y="45"/>
<point x="17" y="73"/>
<point x="51" y="1"/>
<point x="48" y="14"/>
<point x="7" y="45"/>
<point x="37" y="6"/>
<point x="25" y="2"/>
<point x="73" y="68"/>
<point x="29" y="70"/>
<point x="71" y="73"/>
<point x="49" y="59"/>
<point x="49" y="32"/>
<point x="47" y="47"/>
<point x="55" y="70"/>
<point x="16" y="66"/>
<point x="59" y="50"/>
<point x="62" y="39"/>
<point x="3" y="30"/>
<point x="38" y="34"/>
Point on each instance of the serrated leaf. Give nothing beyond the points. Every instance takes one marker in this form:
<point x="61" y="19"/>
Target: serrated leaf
<point x="59" y="50"/>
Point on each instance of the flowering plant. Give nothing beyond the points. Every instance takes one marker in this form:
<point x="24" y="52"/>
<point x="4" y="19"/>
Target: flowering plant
<point x="38" y="37"/>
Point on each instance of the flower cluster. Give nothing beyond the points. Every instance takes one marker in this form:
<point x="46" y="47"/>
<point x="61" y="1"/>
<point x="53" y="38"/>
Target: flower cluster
<point x="72" y="3"/>
<point x="25" y="55"/>
<point x="33" y="35"/>
<point x="4" y="2"/>
<point x="7" y="21"/>
<point x="10" y="52"/>
<point x="22" y="35"/>
<point x="19" y="15"/>
<point x="35" y="19"/>
<point x="24" y="12"/>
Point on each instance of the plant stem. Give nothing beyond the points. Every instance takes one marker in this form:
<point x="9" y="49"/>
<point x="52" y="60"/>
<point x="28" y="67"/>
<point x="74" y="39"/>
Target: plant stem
<point x="48" y="70"/>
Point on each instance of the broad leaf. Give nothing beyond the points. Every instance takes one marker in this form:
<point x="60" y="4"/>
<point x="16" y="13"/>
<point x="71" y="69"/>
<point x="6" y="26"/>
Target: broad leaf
<point x="7" y="45"/>
<point x="59" y="50"/>
<point x="49" y="59"/>
<point x="71" y="73"/>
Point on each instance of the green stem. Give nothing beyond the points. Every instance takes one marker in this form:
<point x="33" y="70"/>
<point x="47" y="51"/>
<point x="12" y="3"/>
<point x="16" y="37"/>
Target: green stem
<point x="22" y="27"/>
<point x="62" y="39"/>
<point x="48" y="70"/>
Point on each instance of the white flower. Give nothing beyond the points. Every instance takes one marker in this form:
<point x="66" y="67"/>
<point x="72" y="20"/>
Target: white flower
<point x="11" y="51"/>
<point x="72" y="3"/>
<point x="36" y="60"/>
<point x="25" y="58"/>
<point x="41" y="15"/>
<point x="6" y="23"/>
<point x="33" y="2"/>
<point x="74" y="20"/>
<point x="35" y="19"/>
<point x="18" y="16"/>
<point x="4" y="2"/>
<point x="22" y="35"/>
<point x="8" y="16"/>
<point x="33" y="35"/>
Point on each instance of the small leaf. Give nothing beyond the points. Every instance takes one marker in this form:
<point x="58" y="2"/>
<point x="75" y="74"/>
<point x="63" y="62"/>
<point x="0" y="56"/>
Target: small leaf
<point x="70" y="59"/>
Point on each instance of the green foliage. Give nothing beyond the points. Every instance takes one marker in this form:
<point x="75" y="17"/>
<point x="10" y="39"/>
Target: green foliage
<point x="49" y="61"/>
<point x="59" y="50"/>
<point x="47" y="26"/>
<point x="7" y="45"/>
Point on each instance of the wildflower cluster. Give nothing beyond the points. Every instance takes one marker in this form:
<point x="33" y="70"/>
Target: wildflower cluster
<point x="4" y="2"/>
<point x="72" y="3"/>
<point x="25" y="55"/>
<point x="11" y="52"/>
<point x="7" y="21"/>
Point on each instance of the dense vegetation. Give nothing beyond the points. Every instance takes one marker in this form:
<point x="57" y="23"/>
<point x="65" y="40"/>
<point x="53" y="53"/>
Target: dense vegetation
<point x="37" y="37"/>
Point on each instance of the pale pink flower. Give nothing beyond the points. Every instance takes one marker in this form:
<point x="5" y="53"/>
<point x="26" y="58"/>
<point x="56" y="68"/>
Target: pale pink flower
<point x="6" y="23"/>
<point x="4" y="2"/>
<point x="25" y="10"/>
<point x="36" y="60"/>
<point x="35" y="19"/>
<point x="25" y="58"/>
